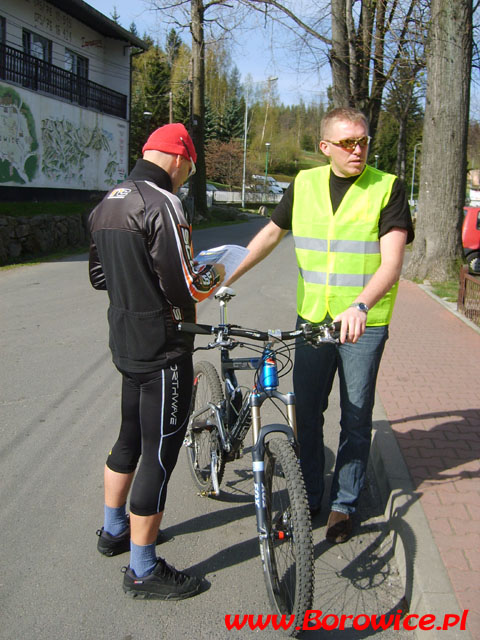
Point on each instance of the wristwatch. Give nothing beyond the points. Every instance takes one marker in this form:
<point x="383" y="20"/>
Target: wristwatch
<point x="361" y="306"/>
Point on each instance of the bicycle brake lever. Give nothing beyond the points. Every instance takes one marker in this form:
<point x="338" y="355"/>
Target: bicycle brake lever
<point x="326" y="335"/>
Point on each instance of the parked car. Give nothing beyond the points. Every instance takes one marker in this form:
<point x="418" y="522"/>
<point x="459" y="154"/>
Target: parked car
<point x="274" y="188"/>
<point x="270" y="180"/>
<point x="183" y="190"/>
<point x="271" y="188"/>
<point x="471" y="238"/>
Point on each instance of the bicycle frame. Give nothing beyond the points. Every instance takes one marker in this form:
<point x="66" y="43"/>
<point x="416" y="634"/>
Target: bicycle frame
<point x="218" y="426"/>
<point x="256" y="398"/>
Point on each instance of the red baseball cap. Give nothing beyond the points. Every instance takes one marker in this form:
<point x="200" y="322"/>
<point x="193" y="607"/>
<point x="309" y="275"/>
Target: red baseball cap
<point x="172" y="138"/>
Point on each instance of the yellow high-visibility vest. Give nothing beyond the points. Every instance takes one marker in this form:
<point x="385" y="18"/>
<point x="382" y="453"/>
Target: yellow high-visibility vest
<point x="337" y="254"/>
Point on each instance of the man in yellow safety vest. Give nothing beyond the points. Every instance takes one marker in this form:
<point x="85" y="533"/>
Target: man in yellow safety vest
<point x="350" y="224"/>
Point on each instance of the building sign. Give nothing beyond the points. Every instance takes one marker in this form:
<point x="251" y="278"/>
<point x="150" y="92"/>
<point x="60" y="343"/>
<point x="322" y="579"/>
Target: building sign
<point x="51" y="19"/>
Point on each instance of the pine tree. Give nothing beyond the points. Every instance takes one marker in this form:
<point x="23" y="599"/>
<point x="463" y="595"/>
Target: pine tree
<point x="232" y="120"/>
<point x="157" y="87"/>
<point x="115" y="15"/>
<point x="211" y="122"/>
<point x="181" y="105"/>
<point x="234" y="84"/>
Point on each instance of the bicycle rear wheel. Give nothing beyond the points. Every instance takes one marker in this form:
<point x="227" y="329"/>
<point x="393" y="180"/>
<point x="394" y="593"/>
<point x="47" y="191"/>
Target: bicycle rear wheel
<point x="287" y="551"/>
<point x="202" y="439"/>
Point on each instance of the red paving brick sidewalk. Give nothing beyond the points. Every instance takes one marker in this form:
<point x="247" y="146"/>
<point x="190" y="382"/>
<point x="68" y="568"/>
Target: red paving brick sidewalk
<point x="429" y="388"/>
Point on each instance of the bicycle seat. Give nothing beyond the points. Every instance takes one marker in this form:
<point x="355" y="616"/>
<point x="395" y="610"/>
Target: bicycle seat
<point x="225" y="294"/>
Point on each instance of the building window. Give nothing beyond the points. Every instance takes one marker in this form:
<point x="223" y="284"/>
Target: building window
<point x="76" y="64"/>
<point x="37" y="46"/>
<point x="2" y="30"/>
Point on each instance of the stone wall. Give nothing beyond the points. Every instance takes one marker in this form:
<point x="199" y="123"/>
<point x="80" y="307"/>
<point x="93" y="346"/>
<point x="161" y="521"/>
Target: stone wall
<point x="26" y="237"/>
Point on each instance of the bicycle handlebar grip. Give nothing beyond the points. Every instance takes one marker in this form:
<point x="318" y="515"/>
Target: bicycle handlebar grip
<point x="253" y="334"/>
<point x="191" y="327"/>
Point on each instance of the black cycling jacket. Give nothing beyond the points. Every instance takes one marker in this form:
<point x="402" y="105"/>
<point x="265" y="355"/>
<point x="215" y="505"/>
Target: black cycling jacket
<point x="141" y="253"/>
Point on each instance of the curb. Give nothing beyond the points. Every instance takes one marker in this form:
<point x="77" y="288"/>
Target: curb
<point x="428" y="589"/>
<point x="451" y="306"/>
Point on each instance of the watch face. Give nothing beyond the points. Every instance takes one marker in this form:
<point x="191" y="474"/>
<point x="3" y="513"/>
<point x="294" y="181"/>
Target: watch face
<point x="360" y="305"/>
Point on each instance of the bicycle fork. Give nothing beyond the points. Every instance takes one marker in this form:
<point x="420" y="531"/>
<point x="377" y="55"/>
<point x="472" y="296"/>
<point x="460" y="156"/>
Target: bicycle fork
<point x="258" y="452"/>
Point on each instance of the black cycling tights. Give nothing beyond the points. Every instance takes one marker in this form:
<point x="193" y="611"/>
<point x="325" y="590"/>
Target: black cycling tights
<point x="155" y="409"/>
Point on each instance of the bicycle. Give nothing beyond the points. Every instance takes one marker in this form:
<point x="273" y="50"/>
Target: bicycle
<point x="219" y="421"/>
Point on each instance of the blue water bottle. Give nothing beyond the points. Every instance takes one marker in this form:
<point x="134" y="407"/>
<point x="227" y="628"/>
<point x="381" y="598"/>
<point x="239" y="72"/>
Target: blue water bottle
<point x="269" y="373"/>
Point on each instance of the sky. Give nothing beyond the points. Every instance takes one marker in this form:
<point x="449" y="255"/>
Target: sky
<point x="252" y="53"/>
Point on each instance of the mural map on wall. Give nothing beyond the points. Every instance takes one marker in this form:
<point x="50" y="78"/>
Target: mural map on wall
<point x="49" y="143"/>
<point x="66" y="147"/>
<point x="18" y="140"/>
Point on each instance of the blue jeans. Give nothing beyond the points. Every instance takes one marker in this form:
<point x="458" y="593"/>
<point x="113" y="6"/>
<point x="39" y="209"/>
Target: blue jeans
<point x="313" y="376"/>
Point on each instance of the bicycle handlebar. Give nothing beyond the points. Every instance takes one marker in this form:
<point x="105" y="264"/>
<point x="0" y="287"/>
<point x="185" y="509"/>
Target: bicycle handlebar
<point x="316" y="334"/>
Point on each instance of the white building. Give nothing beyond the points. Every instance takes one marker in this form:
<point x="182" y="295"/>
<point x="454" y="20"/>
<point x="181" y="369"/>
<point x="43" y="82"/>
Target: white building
<point x="64" y="96"/>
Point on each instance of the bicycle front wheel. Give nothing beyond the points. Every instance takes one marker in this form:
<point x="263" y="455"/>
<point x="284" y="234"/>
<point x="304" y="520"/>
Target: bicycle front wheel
<point x="202" y="439"/>
<point x="287" y="551"/>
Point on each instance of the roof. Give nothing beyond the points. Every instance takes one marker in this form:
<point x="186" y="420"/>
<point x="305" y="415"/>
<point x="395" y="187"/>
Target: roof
<point x="88" y="15"/>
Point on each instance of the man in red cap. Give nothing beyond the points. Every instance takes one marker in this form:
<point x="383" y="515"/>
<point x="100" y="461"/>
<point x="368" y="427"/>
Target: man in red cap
<point x="141" y="253"/>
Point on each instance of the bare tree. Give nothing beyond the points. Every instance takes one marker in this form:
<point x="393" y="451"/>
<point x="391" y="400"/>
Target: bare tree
<point x="443" y="165"/>
<point x="191" y="14"/>
<point x="364" y="44"/>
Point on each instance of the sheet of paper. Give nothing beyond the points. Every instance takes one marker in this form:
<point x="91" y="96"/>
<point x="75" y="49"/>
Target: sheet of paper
<point x="230" y="255"/>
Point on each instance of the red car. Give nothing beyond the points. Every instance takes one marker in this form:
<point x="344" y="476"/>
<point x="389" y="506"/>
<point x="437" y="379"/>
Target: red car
<point x="471" y="238"/>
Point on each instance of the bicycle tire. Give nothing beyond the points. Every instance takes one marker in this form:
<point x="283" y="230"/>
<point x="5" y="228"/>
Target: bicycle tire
<point x="203" y="440"/>
<point x="287" y="551"/>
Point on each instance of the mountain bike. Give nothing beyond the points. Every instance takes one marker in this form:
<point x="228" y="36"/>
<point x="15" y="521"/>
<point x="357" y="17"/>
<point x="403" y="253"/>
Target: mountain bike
<point x="219" y="421"/>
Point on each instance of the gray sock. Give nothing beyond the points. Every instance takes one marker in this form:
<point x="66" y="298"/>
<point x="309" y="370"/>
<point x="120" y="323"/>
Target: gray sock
<point x="142" y="559"/>
<point x="115" y="520"/>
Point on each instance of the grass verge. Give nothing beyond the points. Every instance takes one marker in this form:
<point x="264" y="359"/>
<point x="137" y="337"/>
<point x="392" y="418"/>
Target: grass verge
<point x="31" y="209"/>
<point x="446" y="290"/>
<point x="48" y="257"/>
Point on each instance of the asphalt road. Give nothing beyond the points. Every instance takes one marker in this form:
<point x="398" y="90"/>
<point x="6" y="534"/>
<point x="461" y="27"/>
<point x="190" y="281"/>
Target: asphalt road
<point x="59" y="415"/>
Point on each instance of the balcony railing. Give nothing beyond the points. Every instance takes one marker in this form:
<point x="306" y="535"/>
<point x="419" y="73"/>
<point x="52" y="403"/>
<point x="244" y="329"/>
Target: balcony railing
<point x="30" y="72"/>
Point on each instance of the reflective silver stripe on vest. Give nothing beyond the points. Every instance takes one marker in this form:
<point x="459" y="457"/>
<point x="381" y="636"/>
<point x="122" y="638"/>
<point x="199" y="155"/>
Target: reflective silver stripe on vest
<point x="312" y="244"/>
<point x="336" y="279"/>
<point x="338" y="246"/>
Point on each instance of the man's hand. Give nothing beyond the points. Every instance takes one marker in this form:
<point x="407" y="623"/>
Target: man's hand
<point x="353" y="325"/>
<point x="220" y="269"/>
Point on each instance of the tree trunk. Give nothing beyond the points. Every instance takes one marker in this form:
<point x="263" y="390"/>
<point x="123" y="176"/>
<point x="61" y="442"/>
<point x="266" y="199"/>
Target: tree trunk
<point x="198" y="105"/>
<point x="374" y="105"/>
<point x="339" y="59"/>
<point x="443" y="163"/>
<point x="401" y="148"/>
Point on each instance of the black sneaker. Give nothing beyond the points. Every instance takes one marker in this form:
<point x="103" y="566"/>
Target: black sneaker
<point x="164" y="583"/>
<point x="109" y="545"/>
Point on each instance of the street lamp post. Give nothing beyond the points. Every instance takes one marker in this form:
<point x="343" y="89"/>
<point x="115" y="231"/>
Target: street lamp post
<point x="413" y="171"/>
<point x="245" y="132"/>
<point x="376" y="160"/>
<point x="267" y="146"/>
<point x="245" y="129"/>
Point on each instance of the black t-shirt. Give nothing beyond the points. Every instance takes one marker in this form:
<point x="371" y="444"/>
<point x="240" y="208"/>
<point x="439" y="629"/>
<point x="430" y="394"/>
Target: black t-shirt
<point x="396" y="212"/>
